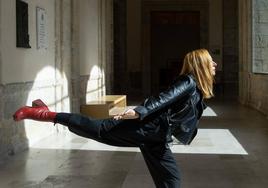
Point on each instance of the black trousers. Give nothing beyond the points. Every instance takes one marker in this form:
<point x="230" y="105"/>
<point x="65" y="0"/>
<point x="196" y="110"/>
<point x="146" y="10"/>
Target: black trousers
<point x="130" y="133"/>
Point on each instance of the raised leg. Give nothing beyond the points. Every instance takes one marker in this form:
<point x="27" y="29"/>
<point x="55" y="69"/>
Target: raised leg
<point x="81" y="125"/>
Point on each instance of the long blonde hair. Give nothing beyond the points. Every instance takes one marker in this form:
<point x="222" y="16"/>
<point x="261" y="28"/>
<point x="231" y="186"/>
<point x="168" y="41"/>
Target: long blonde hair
<point x="198" y="64"/>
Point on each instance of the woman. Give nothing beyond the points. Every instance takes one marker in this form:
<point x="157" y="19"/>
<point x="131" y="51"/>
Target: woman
<point x="151" y="125"/>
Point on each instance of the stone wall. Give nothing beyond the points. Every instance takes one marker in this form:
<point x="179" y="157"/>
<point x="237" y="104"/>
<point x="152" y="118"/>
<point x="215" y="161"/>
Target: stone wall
<point x="16" y="61"/>
<point x="12" y="136"/>
<point x="92" y="49"/>
<point x="34" y="76"/>
<point x="260" y="37"/>
<point x="67" y="77"/>
<point x="17" y="136"/>
<point x="253" y="87"/>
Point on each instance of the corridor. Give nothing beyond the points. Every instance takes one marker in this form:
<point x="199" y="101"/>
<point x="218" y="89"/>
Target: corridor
<point x="72" y="53"/>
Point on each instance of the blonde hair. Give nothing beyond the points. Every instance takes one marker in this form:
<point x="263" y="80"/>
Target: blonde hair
<point x="198" y="64"/>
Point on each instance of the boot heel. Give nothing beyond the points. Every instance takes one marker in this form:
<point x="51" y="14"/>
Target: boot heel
<point x="38" y="102"/>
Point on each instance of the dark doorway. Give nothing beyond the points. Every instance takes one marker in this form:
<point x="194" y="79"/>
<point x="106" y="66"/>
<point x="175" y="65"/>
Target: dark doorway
<point x="173" y="34"/>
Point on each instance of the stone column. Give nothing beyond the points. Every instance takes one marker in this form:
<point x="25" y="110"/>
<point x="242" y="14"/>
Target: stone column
<point x="75" y="68"/>
<point x="120" y="56"/>
<point x="245" y="53"/>
<point x="230" y="48"/>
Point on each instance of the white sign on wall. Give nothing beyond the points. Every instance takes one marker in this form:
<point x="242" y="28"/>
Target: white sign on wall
<point x="41" y="24"/>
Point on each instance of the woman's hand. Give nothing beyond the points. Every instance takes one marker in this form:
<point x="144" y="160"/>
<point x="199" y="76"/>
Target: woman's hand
<point x="128" y="114"/>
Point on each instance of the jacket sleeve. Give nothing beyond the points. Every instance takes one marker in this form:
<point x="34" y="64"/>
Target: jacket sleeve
<point x="185" y="85"/>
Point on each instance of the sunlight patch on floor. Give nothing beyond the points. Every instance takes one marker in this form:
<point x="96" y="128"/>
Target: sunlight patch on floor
<point x="209" y="112"/>
<point x="212" y="141"/>
<point x="207" y="141"/>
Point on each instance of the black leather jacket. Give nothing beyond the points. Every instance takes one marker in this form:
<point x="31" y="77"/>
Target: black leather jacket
<point x="179" y="108"/>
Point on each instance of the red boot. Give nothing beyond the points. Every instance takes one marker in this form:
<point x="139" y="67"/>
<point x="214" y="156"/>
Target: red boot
<point x="39" y="111"/>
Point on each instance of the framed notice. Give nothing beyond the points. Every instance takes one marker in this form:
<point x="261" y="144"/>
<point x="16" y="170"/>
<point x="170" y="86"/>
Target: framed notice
<point x="41" y="28"/>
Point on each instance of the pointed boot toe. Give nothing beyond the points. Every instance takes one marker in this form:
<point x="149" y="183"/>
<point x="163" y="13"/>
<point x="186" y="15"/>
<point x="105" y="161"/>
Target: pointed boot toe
<point x="21" y="113"/>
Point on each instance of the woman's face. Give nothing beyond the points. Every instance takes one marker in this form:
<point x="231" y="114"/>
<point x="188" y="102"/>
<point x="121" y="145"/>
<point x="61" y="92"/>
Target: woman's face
<point x="213" y="66"/>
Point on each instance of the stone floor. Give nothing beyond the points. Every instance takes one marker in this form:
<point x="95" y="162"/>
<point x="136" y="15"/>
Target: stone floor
<point x="230" y="151"/>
